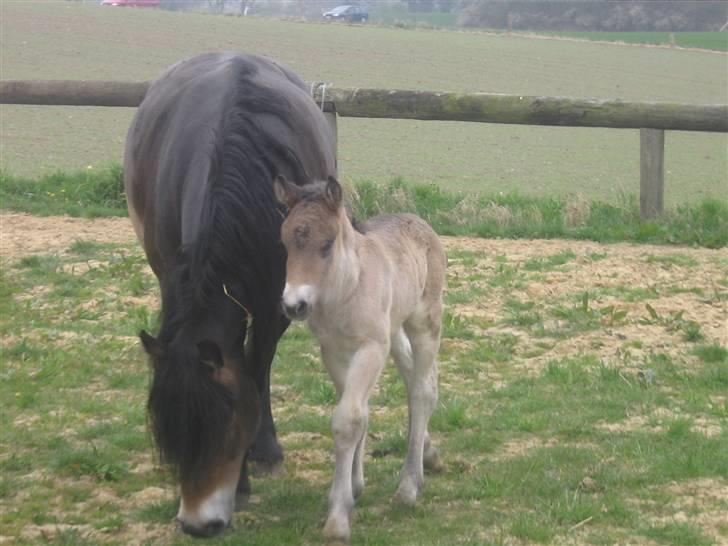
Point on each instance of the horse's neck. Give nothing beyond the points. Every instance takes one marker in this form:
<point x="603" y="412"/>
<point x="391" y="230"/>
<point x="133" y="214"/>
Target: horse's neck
<point x="346" y="267"/>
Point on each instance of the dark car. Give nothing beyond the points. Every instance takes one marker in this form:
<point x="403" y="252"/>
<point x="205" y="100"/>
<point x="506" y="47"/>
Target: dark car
<point x="350" y="14"/>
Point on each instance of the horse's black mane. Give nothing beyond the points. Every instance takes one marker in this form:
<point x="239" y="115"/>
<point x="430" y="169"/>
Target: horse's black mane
<point x="238" y="245"/>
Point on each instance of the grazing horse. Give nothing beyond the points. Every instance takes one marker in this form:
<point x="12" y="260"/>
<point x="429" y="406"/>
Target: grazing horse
<point x="368" y="291"/>
<point x="207" y="142"/>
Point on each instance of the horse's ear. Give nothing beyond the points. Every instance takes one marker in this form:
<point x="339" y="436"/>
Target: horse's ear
<point x="210" y="355"/>
<point x="287" y="193"/>
<point x="333" y="193"/>
<point x="152" y="345"/>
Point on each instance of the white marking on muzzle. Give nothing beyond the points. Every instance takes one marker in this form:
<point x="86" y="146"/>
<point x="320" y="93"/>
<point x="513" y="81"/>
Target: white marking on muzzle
<point x="218" y="506"/>
<point x="297" y="293"/>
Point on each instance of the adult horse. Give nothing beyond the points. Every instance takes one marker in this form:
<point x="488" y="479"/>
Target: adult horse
<point x="211" y="135"/>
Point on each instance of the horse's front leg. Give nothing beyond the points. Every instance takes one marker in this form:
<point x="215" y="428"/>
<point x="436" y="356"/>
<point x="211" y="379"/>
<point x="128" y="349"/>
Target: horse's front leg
<point x="349" y="424"/>
<point x="266" y="452"/>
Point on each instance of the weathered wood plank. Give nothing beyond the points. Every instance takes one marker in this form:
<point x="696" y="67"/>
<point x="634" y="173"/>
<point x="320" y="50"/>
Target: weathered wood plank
<point x="652" y="172"/>
<point x="423" y="105"/>
<point x="72" y="92"/>
<point x="514" y="109"/>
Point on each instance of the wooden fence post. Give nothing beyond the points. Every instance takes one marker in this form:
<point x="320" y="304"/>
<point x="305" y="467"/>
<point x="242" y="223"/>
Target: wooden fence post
<point x="652" y="172"/>
<point x="329" y="109"/>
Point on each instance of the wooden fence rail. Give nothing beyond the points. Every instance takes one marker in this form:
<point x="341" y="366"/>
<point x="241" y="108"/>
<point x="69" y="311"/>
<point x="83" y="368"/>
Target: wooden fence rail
<point x="651" y="118"/>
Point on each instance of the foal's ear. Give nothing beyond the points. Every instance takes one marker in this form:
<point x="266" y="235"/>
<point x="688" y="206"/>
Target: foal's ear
<point x="210" y="355"/>
<point x="287" y="193"/>
<point x="333" y="193"/>
<point x="152" y="345"/>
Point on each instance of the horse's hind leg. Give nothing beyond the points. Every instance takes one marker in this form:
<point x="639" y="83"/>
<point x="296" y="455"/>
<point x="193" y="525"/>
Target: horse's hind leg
<point x="415" y="355"/>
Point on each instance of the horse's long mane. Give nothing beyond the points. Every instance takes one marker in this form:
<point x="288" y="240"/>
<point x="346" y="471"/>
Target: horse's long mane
<point x="238" y="245"/>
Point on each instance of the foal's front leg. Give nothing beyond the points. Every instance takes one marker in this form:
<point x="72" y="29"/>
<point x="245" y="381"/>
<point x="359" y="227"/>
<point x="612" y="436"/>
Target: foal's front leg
<point x="349" y="424"/>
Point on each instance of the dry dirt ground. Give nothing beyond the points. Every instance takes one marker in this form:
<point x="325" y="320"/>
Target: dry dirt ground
<point x="682" y="284"/>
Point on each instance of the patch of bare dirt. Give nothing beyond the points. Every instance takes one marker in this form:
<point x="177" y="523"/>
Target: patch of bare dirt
<point x="701" y="502"/>
<point x="674" y="281"/>
<point x="521" y="447"/>
<point x="24" y="234"/>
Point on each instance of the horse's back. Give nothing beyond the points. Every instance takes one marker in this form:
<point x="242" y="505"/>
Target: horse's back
<point x="403" y="229"/>
<point x="414" y="250"/>
<point x="173" y="144"/>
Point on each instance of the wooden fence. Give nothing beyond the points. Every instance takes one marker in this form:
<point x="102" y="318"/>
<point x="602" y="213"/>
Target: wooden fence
<point x="652" y="119"/>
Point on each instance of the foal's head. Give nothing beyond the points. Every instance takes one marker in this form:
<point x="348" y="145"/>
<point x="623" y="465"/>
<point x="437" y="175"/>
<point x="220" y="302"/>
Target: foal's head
<point x="309" y="233"/>
<point x="204" y="412"/>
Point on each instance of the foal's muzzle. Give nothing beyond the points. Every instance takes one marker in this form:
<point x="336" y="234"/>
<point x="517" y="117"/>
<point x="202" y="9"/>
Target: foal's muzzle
<point x="297" y="311"/>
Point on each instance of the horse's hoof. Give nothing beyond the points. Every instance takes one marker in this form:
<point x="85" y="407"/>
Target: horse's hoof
<point x="260" y="469"/>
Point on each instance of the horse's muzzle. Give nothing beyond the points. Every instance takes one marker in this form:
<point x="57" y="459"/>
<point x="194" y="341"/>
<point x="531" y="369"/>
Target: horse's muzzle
<point x="209" y="529"/>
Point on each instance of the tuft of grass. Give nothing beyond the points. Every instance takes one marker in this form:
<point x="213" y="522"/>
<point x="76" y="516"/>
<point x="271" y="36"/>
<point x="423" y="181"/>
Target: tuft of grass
<point x="677" y="534"/>
<point x="712" y="353"/>
<point x="90" y="193"/>
<point x="158" y="512"/>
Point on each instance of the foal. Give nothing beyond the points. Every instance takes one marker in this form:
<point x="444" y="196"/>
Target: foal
<point x="367" y="291"/>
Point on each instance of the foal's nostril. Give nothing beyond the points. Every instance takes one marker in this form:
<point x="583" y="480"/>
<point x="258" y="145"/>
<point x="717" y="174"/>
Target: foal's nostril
<point x="296" y="311"/>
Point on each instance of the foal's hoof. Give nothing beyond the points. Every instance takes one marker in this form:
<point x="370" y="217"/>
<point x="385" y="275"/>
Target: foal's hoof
<point x="432" y="462"/>
<point x="337" y="531"/>
<point x="405" y="498"/>
<point x="408" y="491"/>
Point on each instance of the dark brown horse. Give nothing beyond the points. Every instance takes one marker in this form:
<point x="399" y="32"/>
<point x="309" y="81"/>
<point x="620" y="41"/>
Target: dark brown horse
<point x="211" y="135"/>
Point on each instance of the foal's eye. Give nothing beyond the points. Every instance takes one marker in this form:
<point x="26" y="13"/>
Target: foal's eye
<point x="326" y="249"/>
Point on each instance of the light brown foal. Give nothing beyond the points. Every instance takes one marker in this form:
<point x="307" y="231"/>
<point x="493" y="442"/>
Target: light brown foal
<point x="367" y="292"/>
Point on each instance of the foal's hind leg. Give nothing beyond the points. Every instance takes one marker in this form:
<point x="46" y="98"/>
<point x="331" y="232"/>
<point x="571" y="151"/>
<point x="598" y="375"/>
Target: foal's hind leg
<point x="418" y="365"/>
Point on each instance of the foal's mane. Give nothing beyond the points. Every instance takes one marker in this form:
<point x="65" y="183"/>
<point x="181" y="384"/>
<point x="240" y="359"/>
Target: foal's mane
<point x="316" y="191"/>
<point x="237" y="246"/>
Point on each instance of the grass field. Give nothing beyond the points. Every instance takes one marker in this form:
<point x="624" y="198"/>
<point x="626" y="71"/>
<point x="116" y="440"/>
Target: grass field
<point x="582" y="401"/>
<point x="70" y="41"/>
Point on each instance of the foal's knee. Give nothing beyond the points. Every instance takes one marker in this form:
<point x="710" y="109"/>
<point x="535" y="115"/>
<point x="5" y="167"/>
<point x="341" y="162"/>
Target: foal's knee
<point x="348" y="423"/>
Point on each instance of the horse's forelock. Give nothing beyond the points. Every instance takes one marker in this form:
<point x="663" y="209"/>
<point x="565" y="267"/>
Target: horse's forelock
<point x="190" y="413"/>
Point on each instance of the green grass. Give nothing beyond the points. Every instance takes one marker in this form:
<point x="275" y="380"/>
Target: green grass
<point x="99" y="192"/>
<point x="703" y="40"/>
<point x="90" y="193"/>
<point x="544" y="440"/>
<point x="70" y="40"/>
